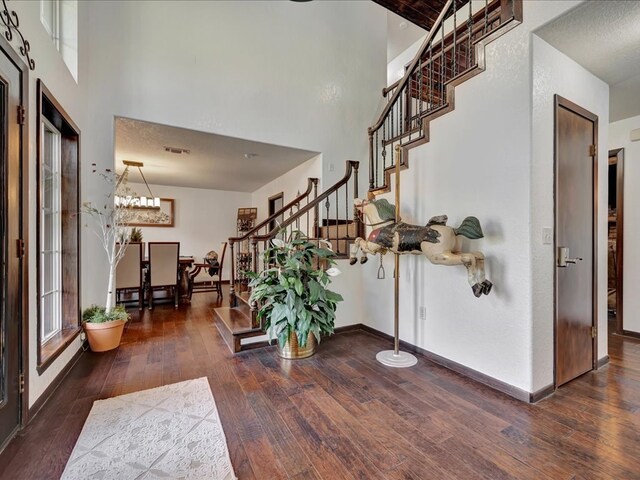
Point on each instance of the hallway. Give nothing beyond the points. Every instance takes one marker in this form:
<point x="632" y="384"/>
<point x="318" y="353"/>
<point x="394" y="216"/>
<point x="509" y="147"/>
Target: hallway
<point x="340" y="414"/>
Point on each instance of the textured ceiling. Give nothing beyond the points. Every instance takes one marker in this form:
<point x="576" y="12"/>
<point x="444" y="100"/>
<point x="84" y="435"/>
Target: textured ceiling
<point x="604" y="37"/>
<point x="215" y="161"/>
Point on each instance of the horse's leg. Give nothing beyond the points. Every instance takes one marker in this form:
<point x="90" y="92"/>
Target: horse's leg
<point x="353" y="254"/>
<point x="480" y="273"/>
<point x="470" y="261"/>
<point x="369" y="248"/>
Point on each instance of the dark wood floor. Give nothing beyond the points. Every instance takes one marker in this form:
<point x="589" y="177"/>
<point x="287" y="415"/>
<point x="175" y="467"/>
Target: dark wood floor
<point x="341" y="415"/>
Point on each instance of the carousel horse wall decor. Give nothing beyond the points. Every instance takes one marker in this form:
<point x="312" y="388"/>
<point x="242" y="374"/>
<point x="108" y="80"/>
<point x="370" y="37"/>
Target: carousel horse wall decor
<point x="436" y="241"/>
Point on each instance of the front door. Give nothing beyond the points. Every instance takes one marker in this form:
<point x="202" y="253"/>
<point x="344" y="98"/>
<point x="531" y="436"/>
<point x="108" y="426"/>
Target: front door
<point x="10" y="249"/>
<point x="576" y="133"/>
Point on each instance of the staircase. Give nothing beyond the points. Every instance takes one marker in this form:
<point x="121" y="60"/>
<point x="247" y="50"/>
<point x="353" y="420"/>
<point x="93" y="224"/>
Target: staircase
<point x="329" y="216"/>
<point x="452" y="53"/>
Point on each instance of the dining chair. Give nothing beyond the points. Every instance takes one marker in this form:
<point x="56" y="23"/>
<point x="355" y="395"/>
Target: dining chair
<point x="207" y="278"/>
<point x="164" y="271"/>
<point x="129" y="272"/>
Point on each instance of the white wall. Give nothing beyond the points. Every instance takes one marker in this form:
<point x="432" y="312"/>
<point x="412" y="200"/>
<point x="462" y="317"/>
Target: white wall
<point x="292" y="182"/>
<point x="478" y="162"/>
<point x="555" y="73"/>
<point x="52" y="70"/>
<point x="203" y="219"/>
<point x="619" y="138"/>
<point x="301" y="75"/>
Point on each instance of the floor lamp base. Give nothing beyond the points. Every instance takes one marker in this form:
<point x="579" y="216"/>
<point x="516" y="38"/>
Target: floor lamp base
<point x="399" y="360"/>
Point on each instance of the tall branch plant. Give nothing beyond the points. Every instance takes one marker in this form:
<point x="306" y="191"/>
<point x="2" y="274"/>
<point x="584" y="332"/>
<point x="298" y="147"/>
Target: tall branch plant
<point x="110" y="224"/>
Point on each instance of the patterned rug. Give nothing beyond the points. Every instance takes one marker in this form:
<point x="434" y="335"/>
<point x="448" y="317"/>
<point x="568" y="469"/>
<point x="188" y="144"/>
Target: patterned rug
<point x="172" y="431"/>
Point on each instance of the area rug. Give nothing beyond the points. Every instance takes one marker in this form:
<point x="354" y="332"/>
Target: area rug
<point x="172" y="431"/>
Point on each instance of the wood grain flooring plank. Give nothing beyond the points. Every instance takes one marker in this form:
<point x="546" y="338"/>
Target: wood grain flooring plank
<point x="342" y="415"/>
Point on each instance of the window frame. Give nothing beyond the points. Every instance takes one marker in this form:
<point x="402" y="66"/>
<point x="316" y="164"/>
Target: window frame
<point x="50" y="109"/>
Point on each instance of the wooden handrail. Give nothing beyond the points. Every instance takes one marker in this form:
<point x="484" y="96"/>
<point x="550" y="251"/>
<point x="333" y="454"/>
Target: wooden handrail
<point x="311" y="183"/>
<point x="412" y="68"/>
<point x="351" y="166"/>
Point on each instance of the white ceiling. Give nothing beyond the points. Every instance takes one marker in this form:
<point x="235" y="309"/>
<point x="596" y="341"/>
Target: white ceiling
<point x="401" y="34"/>
<point x="214" y="162"/>
<point x="604" y="37"/>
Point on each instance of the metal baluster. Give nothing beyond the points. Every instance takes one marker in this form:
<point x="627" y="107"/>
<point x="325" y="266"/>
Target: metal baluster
<point x="232" y="280"/>
<point x="316" y="209"/>
<point x="265" y="245"/>
<point x="377" y="151"/>
<point x="400" y="108"/>
<point x="372" y="158"/>
<point x="336" y="245"/>
<point x="326" y="218"/>
<point x="470" y="39"/>
<point x="454" y="67"/>
<point x="346" y="206"/>
<point x="431" y="71"/>
<point x="442" y="67"/>
<point x="486" y="17"/>
<point x="393" y="130"/>
<point x="384" y="148"/>
<point x="420" y="89"/>
<point x="298" y="209"/>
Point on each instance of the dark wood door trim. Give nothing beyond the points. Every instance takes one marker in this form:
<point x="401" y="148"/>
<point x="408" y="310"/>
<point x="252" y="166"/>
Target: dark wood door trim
<point x="270" y="201"/>
<point x="619" y="154"/>
<point x="10" y="53"/>
<point x="48" y="107"/>
<point x="561" y="102"/>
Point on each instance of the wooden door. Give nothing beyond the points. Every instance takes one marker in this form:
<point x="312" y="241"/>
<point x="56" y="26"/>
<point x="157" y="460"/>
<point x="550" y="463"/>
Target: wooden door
<point x="11" y="248"/>
<point x="576" y="133"/>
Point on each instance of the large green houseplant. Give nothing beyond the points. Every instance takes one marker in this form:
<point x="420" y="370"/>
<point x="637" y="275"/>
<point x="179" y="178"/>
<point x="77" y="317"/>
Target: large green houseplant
<point x="294" y="303"/>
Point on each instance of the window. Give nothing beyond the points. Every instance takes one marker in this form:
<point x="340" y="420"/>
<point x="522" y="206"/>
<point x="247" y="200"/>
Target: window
<point x="50" y="232"/>
<point x="49" y="16"/>
<point x="58" y="229"/>
<point x="60" y="19"/>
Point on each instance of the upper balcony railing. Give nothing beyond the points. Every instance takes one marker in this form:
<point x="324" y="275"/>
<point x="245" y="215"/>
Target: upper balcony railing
<point x="449" y="55"/>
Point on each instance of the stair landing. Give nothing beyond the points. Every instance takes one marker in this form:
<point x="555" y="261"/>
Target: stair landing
<point x="234" y="324"/>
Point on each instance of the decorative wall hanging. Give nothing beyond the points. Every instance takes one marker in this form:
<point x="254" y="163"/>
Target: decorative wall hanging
<point x="436" y="240"/>
<point x="162" y="218"/>
<point x="12" y="23"/>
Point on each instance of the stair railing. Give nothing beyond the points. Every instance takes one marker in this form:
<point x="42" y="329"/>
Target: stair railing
<point x="264" y="227"/>
<point x="331" y="217"/>
<point x="447" y="53"/>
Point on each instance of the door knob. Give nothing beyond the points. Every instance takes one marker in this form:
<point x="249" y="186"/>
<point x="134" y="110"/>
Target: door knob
<point x="563" y="257"/>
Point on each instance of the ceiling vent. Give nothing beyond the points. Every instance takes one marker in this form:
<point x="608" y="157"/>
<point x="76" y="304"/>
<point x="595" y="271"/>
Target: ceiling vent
<point x="177" y="151"/>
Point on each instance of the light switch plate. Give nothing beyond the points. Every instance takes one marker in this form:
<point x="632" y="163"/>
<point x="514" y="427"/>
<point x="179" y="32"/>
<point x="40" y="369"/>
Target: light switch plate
<point x="547" y="236"/>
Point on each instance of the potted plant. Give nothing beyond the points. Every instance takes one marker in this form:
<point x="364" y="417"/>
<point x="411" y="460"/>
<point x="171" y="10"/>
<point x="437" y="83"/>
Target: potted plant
<point x="110" y="224"/>
<point x="104" y="329"/>
<point x="295" y="305"/>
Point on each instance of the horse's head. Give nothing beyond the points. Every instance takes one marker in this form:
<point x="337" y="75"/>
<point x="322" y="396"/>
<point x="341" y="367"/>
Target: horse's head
<point x="360" y="203"/>
<point x="377" y="211"/>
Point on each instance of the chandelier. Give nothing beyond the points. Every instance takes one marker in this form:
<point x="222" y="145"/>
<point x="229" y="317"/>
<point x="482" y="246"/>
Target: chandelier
<point x="135" y="202"/>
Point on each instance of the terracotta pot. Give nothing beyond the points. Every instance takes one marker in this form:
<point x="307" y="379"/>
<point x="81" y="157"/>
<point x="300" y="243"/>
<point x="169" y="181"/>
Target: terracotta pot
<point x="104" y="336"/>
<point x="292" y="350"/>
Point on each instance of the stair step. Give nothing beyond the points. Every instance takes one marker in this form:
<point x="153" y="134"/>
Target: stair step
<point x="234" y="324"/>
<point x="340" y="236"/>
